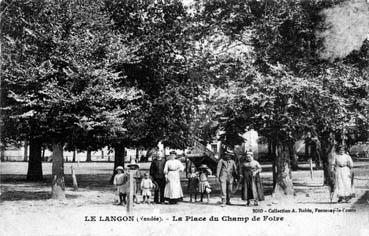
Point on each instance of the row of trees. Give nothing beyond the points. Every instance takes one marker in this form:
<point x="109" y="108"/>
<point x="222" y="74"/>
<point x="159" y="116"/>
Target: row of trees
<point x="86" y="74"/>
<point x="124" y="73"/>
<point x="288" y="75"/>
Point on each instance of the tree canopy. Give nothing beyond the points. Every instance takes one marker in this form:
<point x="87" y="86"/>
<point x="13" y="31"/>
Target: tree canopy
<point x="56" y="71"/>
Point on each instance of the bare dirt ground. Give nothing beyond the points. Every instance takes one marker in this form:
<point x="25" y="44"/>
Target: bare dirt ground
<point x="26" y="207"/>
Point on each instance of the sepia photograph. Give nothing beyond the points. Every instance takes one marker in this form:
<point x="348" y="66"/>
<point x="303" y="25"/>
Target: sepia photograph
<point x="184" y="117"/>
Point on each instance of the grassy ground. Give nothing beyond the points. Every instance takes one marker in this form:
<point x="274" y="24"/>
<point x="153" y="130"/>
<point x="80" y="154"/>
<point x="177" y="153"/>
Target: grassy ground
<point x="27" y="210"/>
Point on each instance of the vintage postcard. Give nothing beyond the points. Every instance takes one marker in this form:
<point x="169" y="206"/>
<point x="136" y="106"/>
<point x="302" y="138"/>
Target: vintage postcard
<point x="184" y="117"/>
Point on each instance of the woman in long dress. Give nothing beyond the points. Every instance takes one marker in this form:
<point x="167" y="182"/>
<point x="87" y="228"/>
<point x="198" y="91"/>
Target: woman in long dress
<point x="342" y="165"/>
<point x="173" y="190"/>
<point x="252" y="188"/>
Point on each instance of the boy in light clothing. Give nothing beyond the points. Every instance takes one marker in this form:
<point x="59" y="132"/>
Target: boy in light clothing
<point x="146" y="187"/>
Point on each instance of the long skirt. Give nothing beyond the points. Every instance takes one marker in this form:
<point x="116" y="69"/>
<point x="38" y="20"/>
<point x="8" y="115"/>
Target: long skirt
<point x="252" y="188"/>
<point x="173" y="189"/>
<point x="343" y="182"/>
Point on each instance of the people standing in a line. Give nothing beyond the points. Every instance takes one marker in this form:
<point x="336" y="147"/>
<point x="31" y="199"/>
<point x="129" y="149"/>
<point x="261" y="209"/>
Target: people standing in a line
<point x="146" y="187"/>
<point x="121" y="182"/>
<point x="342" y="166"/>
<point x="173" y="189"/>
<point x="252" y="188"/>
<point x="193" y="183"/>
<point x="226" y="173"/>
<point x="204" y="186"/>
<point x="158" y="176"/>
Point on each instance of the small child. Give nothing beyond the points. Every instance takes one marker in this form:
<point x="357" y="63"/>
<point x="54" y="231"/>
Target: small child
<point x="146" y="186"/>
<point x="121" y="182"/>
<point x="193" y="183"/>
<point x="204" y="186"/>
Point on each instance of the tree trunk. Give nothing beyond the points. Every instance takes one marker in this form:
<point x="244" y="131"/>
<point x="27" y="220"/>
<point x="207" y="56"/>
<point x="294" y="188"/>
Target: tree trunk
<point x="119" y="152"/>
<point x="326" y="150"/>
<point x="137" y="155"/>
<point x="293" y="156"/>
<point x="317" y="160"/>
<point x="88" y="157"/>
<point x="25" y="155"/>
<point x="272" y="151"/>
<point x="74" y="156"/>
<point x="221" y="150"/>
<point x="2" y="153"/>
<point x="284" y="185"/>
<point x="325" y="166"/>
<point x="43" y="154"/>
<point x="34" y="172"/>
<point x="58" y="185"/>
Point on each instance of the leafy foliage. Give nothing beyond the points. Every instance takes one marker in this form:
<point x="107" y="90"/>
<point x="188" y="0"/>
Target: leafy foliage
<point x="279" y="85"/>
<point x="163" y="70"/>
<point x="56" y="71"/>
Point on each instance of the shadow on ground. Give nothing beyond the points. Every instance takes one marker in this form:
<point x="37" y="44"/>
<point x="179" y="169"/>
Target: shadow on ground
<point x="29" y="195"/>
<point x="363" y="199"/>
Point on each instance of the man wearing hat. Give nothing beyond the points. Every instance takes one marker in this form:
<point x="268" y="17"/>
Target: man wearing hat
<point x="226" y="171"/>
<point x="157" y="174"/>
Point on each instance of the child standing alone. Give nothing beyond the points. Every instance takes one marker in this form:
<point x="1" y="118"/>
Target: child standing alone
<point x="121" y="182"/>
<point x="146" y="187"/>
<point x="193" y="183"/>
<point x="204" y="186"/>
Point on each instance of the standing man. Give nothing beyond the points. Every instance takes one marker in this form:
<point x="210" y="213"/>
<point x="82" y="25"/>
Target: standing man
<point x="226" y="171"/>
<point x="157" y="174"/>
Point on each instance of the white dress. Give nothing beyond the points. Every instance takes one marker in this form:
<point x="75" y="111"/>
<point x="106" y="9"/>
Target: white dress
<point x="173" y="189"/>
<point x="146" y="186"/>
<point x="343" y="164"/>
<point x="122" y="183"/>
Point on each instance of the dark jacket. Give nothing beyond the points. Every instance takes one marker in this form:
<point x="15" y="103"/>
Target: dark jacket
<point x="157" y="169"/>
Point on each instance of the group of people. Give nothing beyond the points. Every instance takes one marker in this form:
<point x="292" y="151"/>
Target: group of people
<point x="164" y="179"/>
<point x="247" y="175"/>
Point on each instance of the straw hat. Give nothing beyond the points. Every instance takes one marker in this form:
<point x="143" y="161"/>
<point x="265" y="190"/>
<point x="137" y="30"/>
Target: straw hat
<point x="119" y="168"/>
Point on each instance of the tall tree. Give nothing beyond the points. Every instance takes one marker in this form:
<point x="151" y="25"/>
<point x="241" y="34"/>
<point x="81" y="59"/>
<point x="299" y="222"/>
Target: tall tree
<point x="64" y="87"/>
<point x="162" y="71"/>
